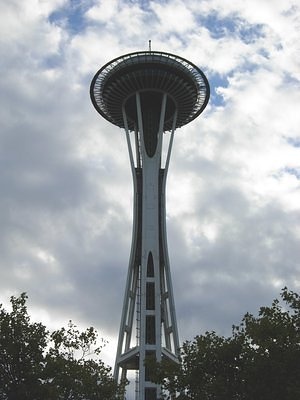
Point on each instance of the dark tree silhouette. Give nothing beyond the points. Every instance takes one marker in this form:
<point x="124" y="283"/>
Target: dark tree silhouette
<point x="38" y="365"/>
<point x="260" y="361"/>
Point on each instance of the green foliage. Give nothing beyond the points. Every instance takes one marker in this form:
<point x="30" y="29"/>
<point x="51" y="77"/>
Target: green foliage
<point x="260" y="361"/>
<point x="63" y="365"/>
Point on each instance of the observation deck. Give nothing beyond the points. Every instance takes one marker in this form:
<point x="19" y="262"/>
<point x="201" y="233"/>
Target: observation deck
<point x="150" y="73"/>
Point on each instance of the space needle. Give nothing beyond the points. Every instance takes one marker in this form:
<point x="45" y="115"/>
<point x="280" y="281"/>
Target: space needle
<point x="149" y="94"/>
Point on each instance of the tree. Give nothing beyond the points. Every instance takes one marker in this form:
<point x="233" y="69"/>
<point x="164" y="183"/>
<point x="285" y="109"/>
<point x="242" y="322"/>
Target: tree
<point x="38" y="365"/>
<point x="259" y="361"/>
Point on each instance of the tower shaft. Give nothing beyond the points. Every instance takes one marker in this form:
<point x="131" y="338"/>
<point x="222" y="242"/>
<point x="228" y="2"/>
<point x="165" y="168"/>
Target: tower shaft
<point x="148" y="293"/>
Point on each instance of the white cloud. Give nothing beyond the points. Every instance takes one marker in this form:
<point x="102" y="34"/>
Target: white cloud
<point x="174" y="17"/>
<point x="26" y="32"/>
<point x="103" y="11"/>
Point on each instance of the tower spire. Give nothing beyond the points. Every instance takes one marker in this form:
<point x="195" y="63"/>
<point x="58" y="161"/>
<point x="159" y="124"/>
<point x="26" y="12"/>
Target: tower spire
<point x="148" y="94"/>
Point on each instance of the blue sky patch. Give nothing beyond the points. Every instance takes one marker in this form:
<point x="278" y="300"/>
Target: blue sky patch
<point x="294" y="141"/>
<point x="72" y="16"/>
<point x="293" y="171"/>
<point x="216" y="81"/>
<point x="222" y="27"/>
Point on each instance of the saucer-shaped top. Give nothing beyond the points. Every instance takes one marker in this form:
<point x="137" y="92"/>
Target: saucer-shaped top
<point x="150" y="73"/>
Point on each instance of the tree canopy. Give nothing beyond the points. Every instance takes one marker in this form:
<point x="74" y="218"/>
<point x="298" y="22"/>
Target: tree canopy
<point x="38" y="365"/>
<point x="259" y="361"/>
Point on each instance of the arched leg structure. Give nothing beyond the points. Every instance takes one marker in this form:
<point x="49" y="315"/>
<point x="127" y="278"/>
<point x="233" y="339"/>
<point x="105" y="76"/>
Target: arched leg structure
<point x="148" y="306"/>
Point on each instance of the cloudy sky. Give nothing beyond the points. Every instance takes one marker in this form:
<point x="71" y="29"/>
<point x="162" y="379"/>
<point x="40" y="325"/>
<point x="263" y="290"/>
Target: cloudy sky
<point x="233" y="202"/>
